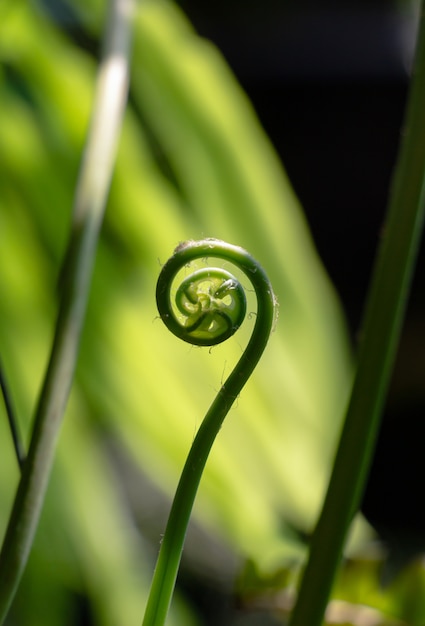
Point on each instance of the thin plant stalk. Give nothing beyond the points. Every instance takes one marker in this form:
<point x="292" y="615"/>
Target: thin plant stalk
<point x="204" y="316"/>
<point x="89" y="205"/>
<point x="384" y="314"/>
<point x="12" y="419"/>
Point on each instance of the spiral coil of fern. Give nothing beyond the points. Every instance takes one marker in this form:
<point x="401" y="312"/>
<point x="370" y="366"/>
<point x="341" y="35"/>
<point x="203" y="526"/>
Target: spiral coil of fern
<point x="210" y="307"/>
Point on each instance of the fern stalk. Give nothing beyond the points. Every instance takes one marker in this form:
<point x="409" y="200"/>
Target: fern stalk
<point x="210" y="307"/>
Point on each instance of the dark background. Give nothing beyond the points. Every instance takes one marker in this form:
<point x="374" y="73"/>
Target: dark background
<point x="329" y="82"/>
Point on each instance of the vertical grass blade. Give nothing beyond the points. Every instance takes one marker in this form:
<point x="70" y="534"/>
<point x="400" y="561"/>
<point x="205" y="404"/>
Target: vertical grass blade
<point x="384" y="314"/>
<point x="90" y="201"/>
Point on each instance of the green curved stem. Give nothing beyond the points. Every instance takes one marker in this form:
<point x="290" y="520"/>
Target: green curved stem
<point x="90" y="200"/>
<point x="172" y="545"/>
<point x="383" y="318"/>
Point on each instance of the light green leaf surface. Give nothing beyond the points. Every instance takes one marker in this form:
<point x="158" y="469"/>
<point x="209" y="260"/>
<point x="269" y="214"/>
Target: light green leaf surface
<point x="193" y="162"/>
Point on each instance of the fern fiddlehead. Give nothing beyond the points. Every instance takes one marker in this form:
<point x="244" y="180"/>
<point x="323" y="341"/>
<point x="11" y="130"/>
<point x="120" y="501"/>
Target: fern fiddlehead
<point x="210" y="306"/>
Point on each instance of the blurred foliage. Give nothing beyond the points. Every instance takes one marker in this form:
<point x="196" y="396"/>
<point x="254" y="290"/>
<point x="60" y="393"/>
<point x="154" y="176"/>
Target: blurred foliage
<point x="193" y="162"/>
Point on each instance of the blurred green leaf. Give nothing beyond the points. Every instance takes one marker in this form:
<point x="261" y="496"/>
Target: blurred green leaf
<point x="193" y="162"/>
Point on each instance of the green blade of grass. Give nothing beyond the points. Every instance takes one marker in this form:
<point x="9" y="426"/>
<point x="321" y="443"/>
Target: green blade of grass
<point x="90" y="201"/>
<point x="382" y="324"/>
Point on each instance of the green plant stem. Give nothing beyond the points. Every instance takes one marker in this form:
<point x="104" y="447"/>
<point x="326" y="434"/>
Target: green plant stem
<point x="382" y="325"/>
<point x="172" y="545"/>
<point x="13" y="423"/>
<point x="91" y="194"/>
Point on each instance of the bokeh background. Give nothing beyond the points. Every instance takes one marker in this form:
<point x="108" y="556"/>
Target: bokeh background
<point x="317" y="87"/>
<point x="329" y="82"/>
